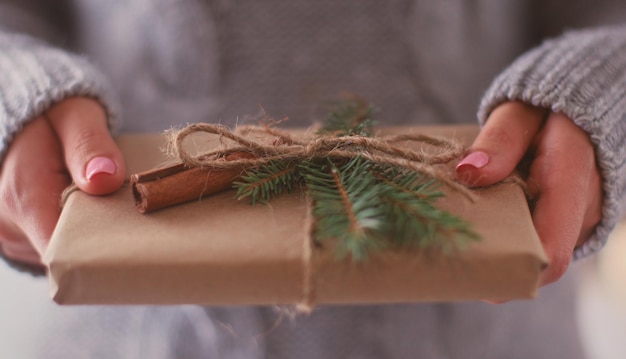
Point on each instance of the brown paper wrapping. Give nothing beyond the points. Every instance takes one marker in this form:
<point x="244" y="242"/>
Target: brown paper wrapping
<point x="222" y="251"/>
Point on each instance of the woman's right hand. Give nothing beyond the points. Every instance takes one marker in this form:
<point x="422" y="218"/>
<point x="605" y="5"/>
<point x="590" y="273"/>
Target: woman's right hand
<point x="69" y="143"/>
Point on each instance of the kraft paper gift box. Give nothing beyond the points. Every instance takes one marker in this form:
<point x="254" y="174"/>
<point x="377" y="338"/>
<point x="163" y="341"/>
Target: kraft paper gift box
<point x="220" y="251"/>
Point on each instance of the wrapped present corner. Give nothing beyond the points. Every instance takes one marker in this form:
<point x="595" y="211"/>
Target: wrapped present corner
<point x="220" y="251"/>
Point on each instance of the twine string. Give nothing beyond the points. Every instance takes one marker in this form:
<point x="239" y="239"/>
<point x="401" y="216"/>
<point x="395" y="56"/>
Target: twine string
<point x="391" y="150"/>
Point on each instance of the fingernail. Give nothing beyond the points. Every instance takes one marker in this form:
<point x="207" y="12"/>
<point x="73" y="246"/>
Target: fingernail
<point x="476" y="160"/>
<point x="100" y="165"/>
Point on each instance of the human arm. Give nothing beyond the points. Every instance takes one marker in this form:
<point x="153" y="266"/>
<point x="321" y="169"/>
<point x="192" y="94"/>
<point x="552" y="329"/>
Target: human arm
<point x="55" y="115"/>
<point x="579" y="77"/>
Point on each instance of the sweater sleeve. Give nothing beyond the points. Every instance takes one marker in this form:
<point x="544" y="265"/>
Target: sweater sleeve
<point x="583" y="75"/>
<point x="35" y="75"/>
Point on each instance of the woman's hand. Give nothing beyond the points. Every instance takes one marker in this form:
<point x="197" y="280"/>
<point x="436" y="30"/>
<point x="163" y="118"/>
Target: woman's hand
<point x="70" y="142"/>
<point x="562" y="174"/>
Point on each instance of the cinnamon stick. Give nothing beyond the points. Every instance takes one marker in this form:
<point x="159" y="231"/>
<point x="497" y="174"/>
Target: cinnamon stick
<point x="163" y="187"/>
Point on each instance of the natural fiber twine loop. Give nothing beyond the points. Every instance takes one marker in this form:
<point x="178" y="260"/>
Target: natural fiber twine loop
<point x="391" y="150"/>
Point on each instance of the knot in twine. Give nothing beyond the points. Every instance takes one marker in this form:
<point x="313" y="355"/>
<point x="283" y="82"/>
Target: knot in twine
<point x="389" y="150"/>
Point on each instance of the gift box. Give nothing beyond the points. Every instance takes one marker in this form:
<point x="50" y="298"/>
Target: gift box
<point x="221" y="251"/>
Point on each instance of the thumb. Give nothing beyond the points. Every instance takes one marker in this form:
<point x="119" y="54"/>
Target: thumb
<point x="92" y="157"/>
<point x="501" y="144"/>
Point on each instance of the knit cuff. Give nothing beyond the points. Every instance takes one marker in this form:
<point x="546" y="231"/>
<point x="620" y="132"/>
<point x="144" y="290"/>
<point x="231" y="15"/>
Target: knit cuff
<point x="581" y="74"/>
<point x="34" y="76"/>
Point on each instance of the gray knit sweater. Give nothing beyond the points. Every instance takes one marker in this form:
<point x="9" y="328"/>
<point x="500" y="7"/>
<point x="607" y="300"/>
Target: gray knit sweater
<point x="159" y="63"/>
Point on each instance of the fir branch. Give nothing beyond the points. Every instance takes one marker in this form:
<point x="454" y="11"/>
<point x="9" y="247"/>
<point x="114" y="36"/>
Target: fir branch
<point x="360" y="205"/>
<point x="343" y="198"/>
<point x="414" y="219"/>
<point x="419" y="224"/>
<point x="352" y="117"/>
<point x="264" y="183"/>
<point x="408" y="182"/>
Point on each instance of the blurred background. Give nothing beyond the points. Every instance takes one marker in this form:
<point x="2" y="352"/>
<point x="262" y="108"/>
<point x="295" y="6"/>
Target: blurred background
<point x="602" y="299"/>
<point x="601" y="304"/>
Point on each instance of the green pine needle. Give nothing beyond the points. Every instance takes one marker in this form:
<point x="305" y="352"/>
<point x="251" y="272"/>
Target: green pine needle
<point x="351" y="117"/>
<point x="359" y="205"/>
<point x="262" y="184"/>
<point x="343" y="198"/>
<point x="414" y="219"/>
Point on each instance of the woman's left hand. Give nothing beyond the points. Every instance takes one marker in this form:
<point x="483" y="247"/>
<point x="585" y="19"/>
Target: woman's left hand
<point x="562" y="174"/>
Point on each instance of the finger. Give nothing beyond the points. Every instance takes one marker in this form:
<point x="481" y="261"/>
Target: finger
<point x="31" y="193"/>
<point x="92" y="157"/>
<point x="562" y="168"/>
<point x="14" y="244"/>
<point x="593" y="214"/>
<point x="501" y="144"/>
<point x="21" y="252"/>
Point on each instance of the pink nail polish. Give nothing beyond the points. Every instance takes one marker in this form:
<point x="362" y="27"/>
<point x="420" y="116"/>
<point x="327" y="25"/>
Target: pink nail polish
<point x="476" y="160"/>
<point x="99" y="165"/>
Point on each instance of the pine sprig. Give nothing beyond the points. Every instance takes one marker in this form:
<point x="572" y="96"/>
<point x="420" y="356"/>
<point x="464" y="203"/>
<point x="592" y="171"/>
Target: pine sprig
<point x="264" y="183"/>
<point x="360" y="205"/>
<point x="343" y="210"/>
<point x="411" y="197"/>
<point x="352" y="117"/>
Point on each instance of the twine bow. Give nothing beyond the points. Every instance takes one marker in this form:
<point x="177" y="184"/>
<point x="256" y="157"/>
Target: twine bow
<point x="390" y="150"/>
